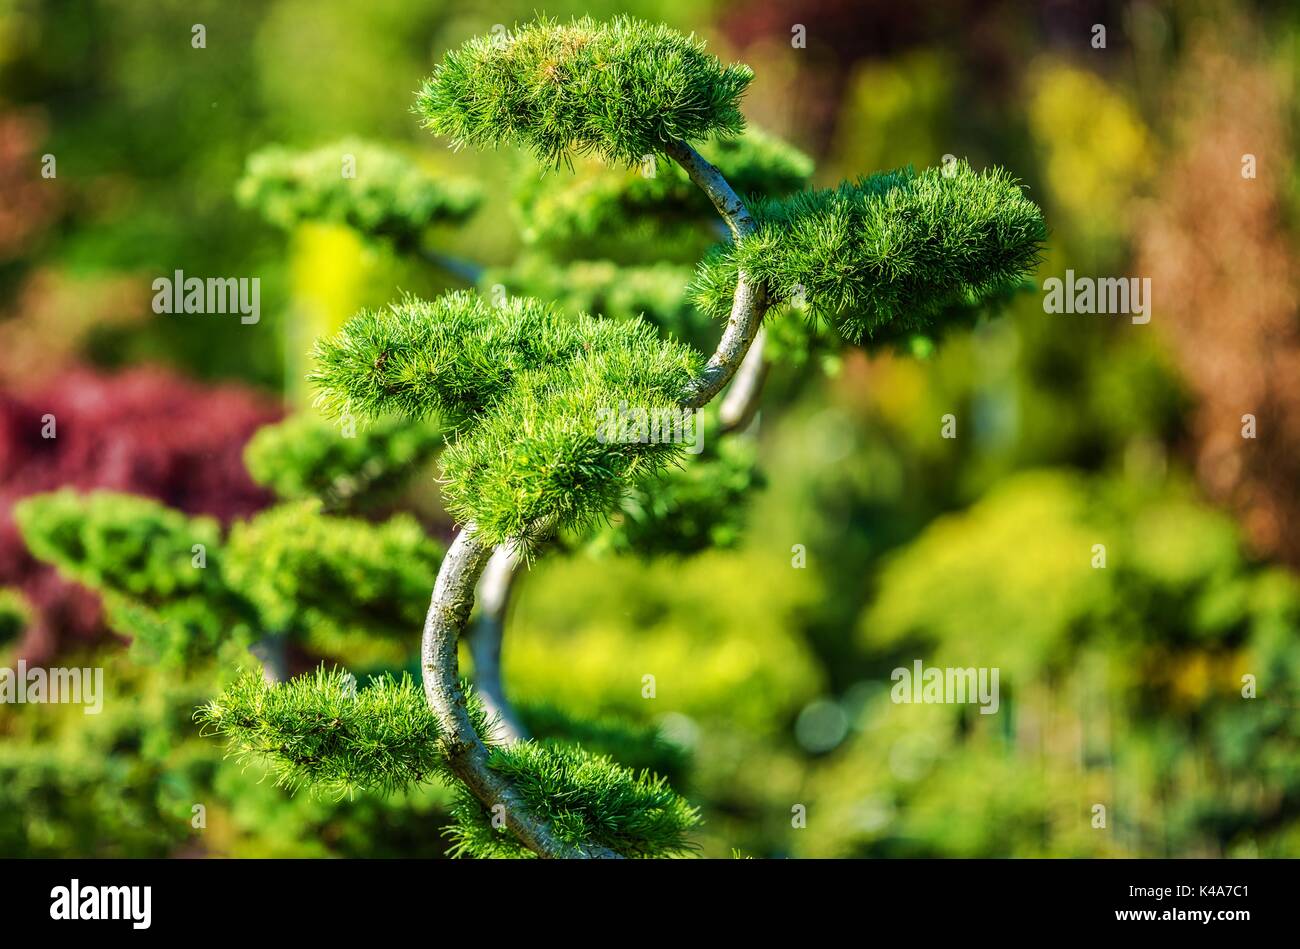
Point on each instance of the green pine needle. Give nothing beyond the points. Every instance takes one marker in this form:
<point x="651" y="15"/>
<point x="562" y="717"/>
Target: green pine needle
<point x="454" y="355"/>
<point x="531" y="392"/>
<point x="618" y="89"/>
<point x="389" y="197"/>
<point x="887" y="252"/>
<point x="584" y="798"/>
<point x="540" y="459"/>
<point x="322" y="732"/>
<point x="702" y="504"/>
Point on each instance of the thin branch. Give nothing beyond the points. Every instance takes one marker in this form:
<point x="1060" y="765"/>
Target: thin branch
<point x="741" y="401"/>
<point x="270" y="651"/>
<point x="467" y="755"/>
<point x="485" y="641"/>
<point x="467" y="558"/>
<point x="709" y="180"/>
<point x="466" y="270"/>
<point x="749" y="303"/>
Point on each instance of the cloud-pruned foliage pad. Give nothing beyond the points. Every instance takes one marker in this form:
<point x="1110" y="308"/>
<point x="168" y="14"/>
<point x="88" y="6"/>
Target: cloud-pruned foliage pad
<point x="306" y="457"/>
<point x="619" y="89"/>
<point x="323" y="732"/>
<point x="886" y="251"/>
<point x="390" y="195"/>
<point x="584" y="798"/>
<point x="141" y="556"/>
<point x="454" y="355"/>
<point x="119" y="542"/>
<point x="529" y="389"/>
<point x="351" y="588"/>
<point x="539" y="459"/>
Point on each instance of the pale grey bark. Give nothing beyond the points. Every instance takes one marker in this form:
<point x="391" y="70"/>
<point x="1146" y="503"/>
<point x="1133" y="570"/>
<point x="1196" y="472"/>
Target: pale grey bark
<point x="741" y="401"/>
<point x="749" y="302"/>
<point x="709" y="180"/>
<point x="467" y="558"/>
<point x="485" y="640"/>
<point x="467" y="755"/>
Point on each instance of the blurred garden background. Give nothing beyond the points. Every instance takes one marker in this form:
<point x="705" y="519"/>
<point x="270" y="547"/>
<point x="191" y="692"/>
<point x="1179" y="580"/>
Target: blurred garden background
<point x="1167" y="153"/>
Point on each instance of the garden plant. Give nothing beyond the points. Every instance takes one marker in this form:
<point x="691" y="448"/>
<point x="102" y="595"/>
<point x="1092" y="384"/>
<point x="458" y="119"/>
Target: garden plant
<point x="567" y="404"/>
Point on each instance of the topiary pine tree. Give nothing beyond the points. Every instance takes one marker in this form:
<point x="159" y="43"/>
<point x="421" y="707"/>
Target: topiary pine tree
<point x="523" y="387"/>
<point x="523" y="390"/>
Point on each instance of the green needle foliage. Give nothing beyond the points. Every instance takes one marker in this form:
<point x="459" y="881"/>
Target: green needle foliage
<point x="541" y="458"/>
<point x="350" y="589"/>
<point x="161" y="572"/>
<point x="530" y="399"/>
<point x="699" y="505"/>
<point x="619" y="90"/>
<point x="636" y="746"/>
<point x="585" y="798"/>
<point x="118" y="541"/>
<point x="321" y="732"/>
<point x="530" y="390"/>
<point x="890" y="250"/>
<point x="604" y="200"/>
<point x="389" y="197"/>
<point x="357" y="469"/>
<point x="454" y="356"/>
<point x="654" y="291"/>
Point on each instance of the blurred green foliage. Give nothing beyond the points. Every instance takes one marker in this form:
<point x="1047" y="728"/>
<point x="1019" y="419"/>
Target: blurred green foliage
<point x="700" y="504"/>
<point x="1122" y="686"/>
<point x="350" y="588"/>
<point x="357" y="184"/>
<point x="15" y="614"/>
<point x="306" y="456"/>
<point x="164" y="576"/>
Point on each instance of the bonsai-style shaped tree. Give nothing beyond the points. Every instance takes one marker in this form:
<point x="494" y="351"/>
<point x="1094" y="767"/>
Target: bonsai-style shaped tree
<point x="525" y="393"/>
<point x="528" y="390"/>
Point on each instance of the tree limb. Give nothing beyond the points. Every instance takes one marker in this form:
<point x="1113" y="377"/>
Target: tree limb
<point x="749" y="302"/>
<point x="741" y="401"/>
<point x="467" y="755"/>
<point x="467" y="558"/>
<point x="485" y="641"/>
<point x="466" y="270"/>
<point x="270" y="651"/>
<point x="709" y="180"/>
